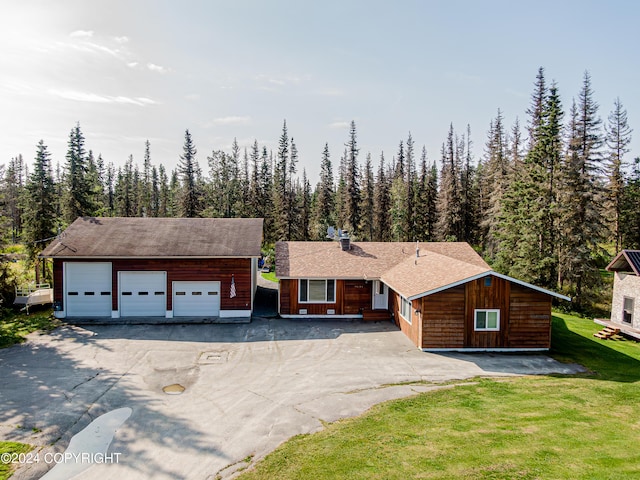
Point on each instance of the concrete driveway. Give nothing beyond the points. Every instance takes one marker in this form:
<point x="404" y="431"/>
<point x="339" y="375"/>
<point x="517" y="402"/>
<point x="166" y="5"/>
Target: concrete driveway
<point x="248" y="388"/>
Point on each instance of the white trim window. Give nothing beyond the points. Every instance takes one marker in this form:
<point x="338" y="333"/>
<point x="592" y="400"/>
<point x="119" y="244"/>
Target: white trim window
<point x="316" y="291"/>
<point x="486" y="320"/>
<point x="405" y="309"/>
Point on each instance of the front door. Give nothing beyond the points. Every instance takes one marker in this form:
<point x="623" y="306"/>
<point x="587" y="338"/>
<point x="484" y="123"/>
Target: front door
<point x="380" y="296"/>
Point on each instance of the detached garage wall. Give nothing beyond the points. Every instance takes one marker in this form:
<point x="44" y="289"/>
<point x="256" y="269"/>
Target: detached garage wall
<point x="214" y="269"/>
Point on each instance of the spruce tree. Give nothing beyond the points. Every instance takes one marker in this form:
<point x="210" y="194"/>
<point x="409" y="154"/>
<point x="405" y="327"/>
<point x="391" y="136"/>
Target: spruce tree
<point x="618" y="138"/>
<point x="304" y="210"/>
<point x="40" y="220"/>
<point x="469" y="193"/>
<point x="146" y="187"/>
<point x="367" y="202"/>
<point x="352" y="184"/>
<point x="399" y="196"/>
<point x="254" y="208"/>
<point x="266" y="189"/>
<point x="381" y="205"/>
<point x="79" y="196"/>
<point x="164" y="196"/>
<point x="582" y="229"/>
<point x="630" y="213"/>
<point x="13" y="195"/>
<point x="189" y="201"/>
<point x="495" y="178"/>
<point x="324" y="203"/>
<point x="281" y="210"/>
<point x="449" y="197"/>
<point x="154" y="197"/>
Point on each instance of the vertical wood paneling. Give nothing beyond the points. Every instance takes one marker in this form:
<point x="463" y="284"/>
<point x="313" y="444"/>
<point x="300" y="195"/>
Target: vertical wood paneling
<point x="480" y="296"/>
<point x="212" y="269"/>
<point x="443" y="319"/>
<point x="530" y="318"/>
<point x="410" y="330"/>
<point x="357" y="296"/>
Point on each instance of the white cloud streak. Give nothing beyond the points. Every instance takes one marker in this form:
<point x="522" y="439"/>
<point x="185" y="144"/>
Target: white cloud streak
<point x="231" y="120"/>
<point x="81" y="34"/>
<point x="157" y="68"/>
<point x="79" y="96"/>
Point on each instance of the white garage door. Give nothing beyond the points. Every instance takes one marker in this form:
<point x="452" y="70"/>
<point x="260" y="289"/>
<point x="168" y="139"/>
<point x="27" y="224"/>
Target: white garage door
<point x="87" y="289"/>
<point x="196" y="299"/>
<point x="143" y="294"/>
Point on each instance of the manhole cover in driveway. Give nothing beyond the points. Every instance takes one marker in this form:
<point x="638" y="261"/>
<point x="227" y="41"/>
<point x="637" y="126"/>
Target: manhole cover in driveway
<point x="209" y="358"/>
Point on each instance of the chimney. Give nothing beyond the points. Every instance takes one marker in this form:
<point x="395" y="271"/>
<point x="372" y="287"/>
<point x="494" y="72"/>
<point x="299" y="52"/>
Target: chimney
<point x="345" y="241"/>
<point x="417" y="250"/>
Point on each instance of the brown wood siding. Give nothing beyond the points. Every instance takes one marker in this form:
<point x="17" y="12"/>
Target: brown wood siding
<point x="443" y="319"/>
<point x="529" y="318"/>
<point x="285" y="297"/>
<point x="357" y="296"/>
<point x="480" y="296"/>
<point x="448" y="317"/>
<point x="58" y="291"/>
<point x="410" y="330"/>
<point x="352" y="297"/>
<point x="213" y="269"/>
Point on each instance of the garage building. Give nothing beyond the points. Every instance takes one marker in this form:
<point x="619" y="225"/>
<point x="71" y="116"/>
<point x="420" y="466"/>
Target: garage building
<point x="202" y="268"/>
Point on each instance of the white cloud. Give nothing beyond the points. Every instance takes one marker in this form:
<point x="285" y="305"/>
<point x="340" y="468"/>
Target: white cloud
<point x="157" y="68"/>
<point x="81" y="34"/>
<point x="132" y="64"/>
<point x="79" y="96"/>
<point x="192" y="96"/>
<point x="121" y="40"/>
<point x="330" y="92"/>
<point x="281" y="81"/>
<point x="340" y="125"/>
<point x="231" y="120"/>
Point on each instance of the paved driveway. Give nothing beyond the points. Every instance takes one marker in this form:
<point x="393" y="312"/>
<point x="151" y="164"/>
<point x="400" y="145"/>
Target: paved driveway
<point x="248" y="387"/>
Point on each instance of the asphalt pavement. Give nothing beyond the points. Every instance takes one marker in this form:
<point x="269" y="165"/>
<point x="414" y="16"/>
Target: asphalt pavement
<point x="246" y="388"/>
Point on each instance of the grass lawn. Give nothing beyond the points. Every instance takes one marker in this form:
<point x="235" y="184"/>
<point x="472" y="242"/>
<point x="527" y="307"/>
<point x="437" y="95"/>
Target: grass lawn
<point x="6" y="469"/>
<point x="14" y="327"/>
<point x="571" y="427"/>
<point x="271" y="276"/>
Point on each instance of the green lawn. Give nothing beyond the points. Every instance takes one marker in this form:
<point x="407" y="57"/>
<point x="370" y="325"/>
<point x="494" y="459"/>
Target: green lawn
<point x="562" y="427"/>
<point x="271" y="276"/>
<point x="15" y="326"/>
<point x="13" y="329"/>
<point x="6" y="469"/>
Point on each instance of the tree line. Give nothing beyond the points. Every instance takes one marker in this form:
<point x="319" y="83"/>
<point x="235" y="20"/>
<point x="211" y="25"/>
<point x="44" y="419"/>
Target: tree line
<point x="541" y="204"/>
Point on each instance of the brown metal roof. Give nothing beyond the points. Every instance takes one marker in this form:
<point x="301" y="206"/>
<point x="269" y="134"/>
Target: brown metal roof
<point x="626" y="261"/>
<point x="158" y="237"/>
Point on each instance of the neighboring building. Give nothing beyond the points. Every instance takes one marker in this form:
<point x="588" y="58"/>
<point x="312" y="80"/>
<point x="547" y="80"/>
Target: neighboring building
<point x="156" y="267"/>
<point x="443" y="296"/>
<point x="625" y="304"/>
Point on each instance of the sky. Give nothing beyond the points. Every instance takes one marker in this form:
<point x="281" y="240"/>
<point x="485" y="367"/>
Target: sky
<point x="133" y="70"/>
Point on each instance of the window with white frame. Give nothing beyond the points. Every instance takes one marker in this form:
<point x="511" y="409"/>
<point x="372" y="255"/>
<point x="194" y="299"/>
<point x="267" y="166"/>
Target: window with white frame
<point x="405" y="309"/>
<point x="487" y="320"/>
<point x="316" y="291"/>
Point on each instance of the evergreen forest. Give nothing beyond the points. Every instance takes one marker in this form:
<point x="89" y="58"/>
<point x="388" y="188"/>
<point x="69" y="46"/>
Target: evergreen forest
<point x="548" y="201"/>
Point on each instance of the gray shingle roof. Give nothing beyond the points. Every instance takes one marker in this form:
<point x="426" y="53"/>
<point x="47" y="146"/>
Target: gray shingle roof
<point x="158" y="237"/>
